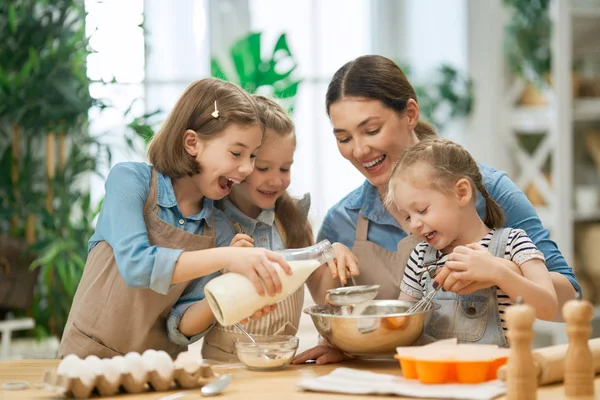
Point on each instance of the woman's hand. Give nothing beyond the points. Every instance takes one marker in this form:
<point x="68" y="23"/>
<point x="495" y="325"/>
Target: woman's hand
<point x="322" y="354"/>
<point x="242" y="240"/>
<point x="260" y="313"/>
<point x="343" y="262"/>
<point x="257" y="264"/>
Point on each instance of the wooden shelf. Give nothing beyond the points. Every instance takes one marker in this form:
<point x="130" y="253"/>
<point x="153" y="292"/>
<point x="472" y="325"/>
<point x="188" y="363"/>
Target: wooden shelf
<point x="585" y="12"/>
<point x="531" y="119"/>
<point x="586" y="109"/>
<point x="587" y="216"/>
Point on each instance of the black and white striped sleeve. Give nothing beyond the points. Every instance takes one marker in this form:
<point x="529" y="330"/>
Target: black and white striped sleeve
<point x="411" y="282"/>
<point x="522" y="248"/>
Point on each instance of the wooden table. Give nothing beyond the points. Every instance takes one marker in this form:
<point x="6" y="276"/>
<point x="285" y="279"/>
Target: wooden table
<point x="245" y="385"/>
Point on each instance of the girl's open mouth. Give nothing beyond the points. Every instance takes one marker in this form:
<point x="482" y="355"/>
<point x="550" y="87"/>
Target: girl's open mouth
<point x="227" y="183"/>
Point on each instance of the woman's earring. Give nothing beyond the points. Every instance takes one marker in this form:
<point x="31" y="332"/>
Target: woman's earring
<point x="215" y="113"/>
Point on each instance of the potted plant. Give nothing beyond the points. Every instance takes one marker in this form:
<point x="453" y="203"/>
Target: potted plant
<point x="44" y="103"/>
<point x="527" y="47"/>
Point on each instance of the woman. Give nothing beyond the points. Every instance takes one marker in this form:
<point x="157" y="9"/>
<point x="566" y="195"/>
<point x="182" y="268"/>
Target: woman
<point x="375" y="115"/>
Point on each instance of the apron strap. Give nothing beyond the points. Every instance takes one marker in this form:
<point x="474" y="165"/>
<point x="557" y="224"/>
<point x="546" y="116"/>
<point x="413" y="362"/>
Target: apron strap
<point x="429" y="260"/>
<point x="209" y="230"/>
<point x="362" y="228"/>
<point x="150" y="204"/>
<point x="499" y="241"/>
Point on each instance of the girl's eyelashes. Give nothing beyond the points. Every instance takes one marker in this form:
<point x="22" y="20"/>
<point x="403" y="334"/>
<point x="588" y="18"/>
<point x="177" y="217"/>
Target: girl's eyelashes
<point x="423" y="210"/>
<point x="284" y="169"/>
<point x="373" y="131"/>
<point x="261" y="169"/>
<point x="252" y="155"/>
<point x="344" y="140"/>
<point x="235" y="154"/>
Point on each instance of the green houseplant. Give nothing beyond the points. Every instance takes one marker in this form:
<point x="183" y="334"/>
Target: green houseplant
<point x="44" y="101"/>
<point x="527" y="37"/>
<point x="273" y="76"/>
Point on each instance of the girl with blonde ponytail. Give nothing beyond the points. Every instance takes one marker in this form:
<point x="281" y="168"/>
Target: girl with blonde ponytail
<point x="432" y="190"/>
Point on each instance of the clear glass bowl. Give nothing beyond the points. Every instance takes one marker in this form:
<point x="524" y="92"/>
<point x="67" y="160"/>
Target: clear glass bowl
<point x="271" y="354"/>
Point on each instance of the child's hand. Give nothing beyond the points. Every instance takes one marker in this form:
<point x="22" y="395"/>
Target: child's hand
<point x="322" y="354"/>
<point x="260" y="313"/>
<point x="256" y="265"/>
<point x="343" y="262"/>
<point x="242" y="240"/>
<point x="472" y="263"/>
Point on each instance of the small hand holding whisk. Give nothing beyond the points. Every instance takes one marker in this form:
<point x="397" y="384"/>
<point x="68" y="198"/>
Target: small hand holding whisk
<point x="427" y="301"/>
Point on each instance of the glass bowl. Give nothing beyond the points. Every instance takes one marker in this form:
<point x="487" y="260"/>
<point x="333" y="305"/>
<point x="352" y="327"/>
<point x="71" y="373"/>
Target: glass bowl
<point x="271" y="354"/>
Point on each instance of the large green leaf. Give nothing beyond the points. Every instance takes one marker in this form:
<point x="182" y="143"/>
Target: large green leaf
<point x="263" y="75"/>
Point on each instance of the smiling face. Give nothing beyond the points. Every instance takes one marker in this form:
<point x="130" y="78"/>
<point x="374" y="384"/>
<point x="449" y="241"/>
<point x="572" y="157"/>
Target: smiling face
<point x="225" y="160"/>
<point x="371" y="136"/>
<point x="432" y="215"/>
<point x="271" y="176"/>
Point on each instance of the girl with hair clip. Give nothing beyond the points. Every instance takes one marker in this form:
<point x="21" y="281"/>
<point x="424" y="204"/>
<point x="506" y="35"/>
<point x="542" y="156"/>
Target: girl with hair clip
<point x="157" y="227"/>
<point x="433" y="189"/>
<point x="264" y="215"/>
<point x="375" y="116"/>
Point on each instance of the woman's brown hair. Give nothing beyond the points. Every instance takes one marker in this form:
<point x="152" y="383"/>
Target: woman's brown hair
<point x="376" y="78"/>
<point x="194" y="110"/>
<point x="293" y="219"/>
<point x="449" y="162"/>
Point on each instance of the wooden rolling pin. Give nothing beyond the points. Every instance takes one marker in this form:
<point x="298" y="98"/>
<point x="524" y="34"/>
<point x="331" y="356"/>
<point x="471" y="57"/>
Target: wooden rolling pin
<point x="550" y="362"/>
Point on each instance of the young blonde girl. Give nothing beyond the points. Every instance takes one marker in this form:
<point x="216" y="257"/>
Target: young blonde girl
<point x="158" y="225"/>
<point x="264" y="215"/>
<point x="432" y="191"/>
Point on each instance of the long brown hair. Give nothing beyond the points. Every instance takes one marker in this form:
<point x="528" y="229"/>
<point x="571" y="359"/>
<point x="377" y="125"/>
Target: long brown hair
<point x="293" y="221"/>
<point x="376" y="78"/>
<point x="448" y="162"/>
<point x="194" y="111"/>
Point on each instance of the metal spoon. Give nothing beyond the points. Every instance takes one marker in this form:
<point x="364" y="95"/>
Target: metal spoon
<point x="215" y="387"/>
<point x="262" y="352"/>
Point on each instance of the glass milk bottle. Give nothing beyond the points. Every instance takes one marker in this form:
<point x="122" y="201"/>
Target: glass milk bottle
<point x="232" y="297"/>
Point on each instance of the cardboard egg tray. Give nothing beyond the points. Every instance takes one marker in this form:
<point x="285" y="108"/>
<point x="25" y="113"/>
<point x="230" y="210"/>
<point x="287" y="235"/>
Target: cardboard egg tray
<point x="459" y="363"/>
<point x="173" y="376"/>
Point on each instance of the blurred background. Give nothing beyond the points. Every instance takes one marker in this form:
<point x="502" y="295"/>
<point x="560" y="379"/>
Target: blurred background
<point x="84" y="84"/>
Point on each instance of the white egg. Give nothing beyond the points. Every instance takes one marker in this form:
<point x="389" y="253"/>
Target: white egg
<point x="69" y="363"/>
<point x="111" y="370"/>
<point x="94" y="364"/>
<point x="163" y="364"/>
<point x="134" y="364"/>
<point x="188" y="361"/>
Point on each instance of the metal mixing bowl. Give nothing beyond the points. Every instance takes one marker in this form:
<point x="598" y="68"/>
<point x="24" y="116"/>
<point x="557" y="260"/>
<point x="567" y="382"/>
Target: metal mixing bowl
<point x="371" y="329"/>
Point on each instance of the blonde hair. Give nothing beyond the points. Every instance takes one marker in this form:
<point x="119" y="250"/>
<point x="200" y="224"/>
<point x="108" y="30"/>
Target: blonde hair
<point x="297" y="228"/>
<point x="449" y="162"/>
<point x="194" y="110"/>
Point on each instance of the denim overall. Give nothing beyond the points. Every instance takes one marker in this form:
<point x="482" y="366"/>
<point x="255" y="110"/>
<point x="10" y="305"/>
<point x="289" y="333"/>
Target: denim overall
<point x="471" y="318"/>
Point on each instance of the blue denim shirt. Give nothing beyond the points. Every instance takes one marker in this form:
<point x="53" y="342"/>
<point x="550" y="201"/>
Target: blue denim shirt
<point x="340" y="221"/>
<point x="121" y="224"/>
<point x="265" y="234"/>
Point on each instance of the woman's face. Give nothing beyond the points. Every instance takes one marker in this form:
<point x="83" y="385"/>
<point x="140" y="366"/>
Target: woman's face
<point x="372" y="136"/>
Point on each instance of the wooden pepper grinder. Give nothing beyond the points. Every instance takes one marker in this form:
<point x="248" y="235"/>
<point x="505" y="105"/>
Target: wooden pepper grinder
<point x="521" y="379"/>
<point x="579" y="364"/>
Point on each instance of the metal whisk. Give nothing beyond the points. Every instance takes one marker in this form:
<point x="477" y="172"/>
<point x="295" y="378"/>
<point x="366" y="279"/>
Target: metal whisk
<point x="426" y="301"/>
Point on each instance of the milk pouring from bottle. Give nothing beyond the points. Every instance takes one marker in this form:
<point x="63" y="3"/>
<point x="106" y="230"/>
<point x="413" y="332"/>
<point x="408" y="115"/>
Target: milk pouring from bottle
<point x="232" y="297"/>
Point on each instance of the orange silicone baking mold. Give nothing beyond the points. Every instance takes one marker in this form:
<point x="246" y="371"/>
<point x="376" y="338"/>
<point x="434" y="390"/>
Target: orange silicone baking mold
<point x="461" y="363"/>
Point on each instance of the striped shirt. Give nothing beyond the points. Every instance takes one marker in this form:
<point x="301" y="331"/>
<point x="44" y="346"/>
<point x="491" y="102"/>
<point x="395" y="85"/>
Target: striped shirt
<point x="519" y="249"/>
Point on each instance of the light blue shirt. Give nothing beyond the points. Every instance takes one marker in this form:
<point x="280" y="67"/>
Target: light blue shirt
<point x="121" y="224"/>
<point x="265" y="235"/>
<point x="340" y="221"/>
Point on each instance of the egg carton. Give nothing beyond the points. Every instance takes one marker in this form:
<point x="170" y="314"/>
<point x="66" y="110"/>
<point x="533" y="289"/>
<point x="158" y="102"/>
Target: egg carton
<point x="132" y="373"/>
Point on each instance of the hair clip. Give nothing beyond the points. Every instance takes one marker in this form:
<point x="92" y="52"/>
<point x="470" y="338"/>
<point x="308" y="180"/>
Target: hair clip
<point x="215" y="113"/>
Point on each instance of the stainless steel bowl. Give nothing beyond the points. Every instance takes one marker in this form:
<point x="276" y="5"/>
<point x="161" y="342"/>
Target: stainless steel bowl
<point x="371" y="329"/>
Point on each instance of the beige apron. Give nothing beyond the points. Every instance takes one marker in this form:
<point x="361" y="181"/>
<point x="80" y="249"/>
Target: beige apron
<point x="107" y="317"/>
<point x="284" y="320"/>
<point x="379" y="266"/>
